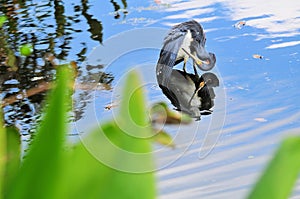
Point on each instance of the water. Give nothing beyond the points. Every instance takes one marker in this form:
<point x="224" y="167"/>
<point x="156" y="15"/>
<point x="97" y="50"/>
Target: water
<point x="256" y="103"/>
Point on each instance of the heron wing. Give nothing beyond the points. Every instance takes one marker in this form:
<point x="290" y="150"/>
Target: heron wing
<point x="171" y="46"/>
<point x="168" y="54"/>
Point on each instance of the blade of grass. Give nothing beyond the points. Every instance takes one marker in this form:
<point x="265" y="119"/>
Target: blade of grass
<point x="2" y="154"/>
<point x="281" y="174"/>
<point x="41" y="165"/>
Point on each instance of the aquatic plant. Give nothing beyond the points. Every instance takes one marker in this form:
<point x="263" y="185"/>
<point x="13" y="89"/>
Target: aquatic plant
<point x="53" y="169"/>
<point x="278" y="179"/>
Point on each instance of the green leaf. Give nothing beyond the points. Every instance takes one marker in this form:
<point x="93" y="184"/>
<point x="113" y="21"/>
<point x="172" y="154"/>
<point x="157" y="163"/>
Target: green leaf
<point x="161" y="114"/>
<point x="2" y="20"/>
<point x="11" y="59"/>
<point x="40" y="169"/>
<point x="9" y="155"/>
<point x="84" y="171"/>
<point x="2" y="154"/>
<point x="281" y="174"/>
<point x="133" y="117"/>
<point x="110" y="163"/>
<point x="26" y="49"/>
<point x="13" y="154"/>
<point x="163" y="138"/>
<point x="9" y="54"/>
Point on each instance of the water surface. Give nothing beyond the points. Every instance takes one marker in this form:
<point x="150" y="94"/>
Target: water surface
<point x="256" y="103"/>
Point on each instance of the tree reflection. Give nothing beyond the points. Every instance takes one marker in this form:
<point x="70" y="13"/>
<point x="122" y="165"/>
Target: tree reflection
<point x="50" y="30"/>
<point x="86" y="83"/>
<point x="95" y="25"/>
<point x="117" y="8"/>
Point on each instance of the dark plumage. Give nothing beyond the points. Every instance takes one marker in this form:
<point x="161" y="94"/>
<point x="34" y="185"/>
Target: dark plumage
<point x="190" y="93"/>
<point x="183" y="41"/>
<point x="187" y="92"/>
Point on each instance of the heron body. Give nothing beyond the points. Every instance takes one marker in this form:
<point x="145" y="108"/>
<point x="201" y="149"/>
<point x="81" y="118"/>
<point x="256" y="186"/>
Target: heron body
<point x="183" y="41"/>
<point x="182" y="55"/>
<point x="187" y="92"/>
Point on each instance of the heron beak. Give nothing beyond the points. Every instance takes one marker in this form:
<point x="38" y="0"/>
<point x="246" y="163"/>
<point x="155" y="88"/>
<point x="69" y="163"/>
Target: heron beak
<point x="199" y="61"/>
<point x="196" y="59"/>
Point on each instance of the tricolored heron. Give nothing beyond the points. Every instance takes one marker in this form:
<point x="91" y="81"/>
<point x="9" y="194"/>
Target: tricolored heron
<point x="184" y="40"/>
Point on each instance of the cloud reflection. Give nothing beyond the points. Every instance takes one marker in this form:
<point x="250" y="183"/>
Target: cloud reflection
<point x="278" y="18"/>
<point x="284" y="44"/>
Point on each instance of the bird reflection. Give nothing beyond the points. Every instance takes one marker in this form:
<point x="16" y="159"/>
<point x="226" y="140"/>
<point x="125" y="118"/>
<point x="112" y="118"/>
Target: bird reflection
<point x="190" y="93"/>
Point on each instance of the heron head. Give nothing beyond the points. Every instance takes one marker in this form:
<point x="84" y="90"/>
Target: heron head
<point x="203" y="59"/>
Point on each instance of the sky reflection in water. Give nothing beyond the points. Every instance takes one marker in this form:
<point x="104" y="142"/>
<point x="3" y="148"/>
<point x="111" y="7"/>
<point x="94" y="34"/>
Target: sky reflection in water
<point x="261" y="94"/>
<point x="261" y="97"/>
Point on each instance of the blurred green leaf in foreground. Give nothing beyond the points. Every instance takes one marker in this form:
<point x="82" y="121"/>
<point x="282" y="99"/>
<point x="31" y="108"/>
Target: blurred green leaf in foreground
<point x="278" y="180"/>
<point x="53" y="169"/>
<point x="114" y="161"/>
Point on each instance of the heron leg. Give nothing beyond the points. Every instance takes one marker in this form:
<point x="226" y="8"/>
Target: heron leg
<point x="195" y="69"/>
<point x="184" y="65"/>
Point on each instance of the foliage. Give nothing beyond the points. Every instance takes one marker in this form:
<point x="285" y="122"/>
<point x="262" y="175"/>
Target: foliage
<point x="281" y="174"/>
<point x="5" y="50"/>
<point x="26" y="49"/>
<point x="2" y="20"/>
<point x="52" y="169"/>
<point x="160" y="113"/>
